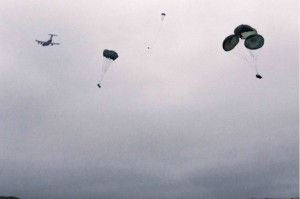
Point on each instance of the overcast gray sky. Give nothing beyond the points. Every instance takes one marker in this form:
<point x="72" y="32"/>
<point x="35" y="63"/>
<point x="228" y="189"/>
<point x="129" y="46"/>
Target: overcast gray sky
<point x="182" y="120"/>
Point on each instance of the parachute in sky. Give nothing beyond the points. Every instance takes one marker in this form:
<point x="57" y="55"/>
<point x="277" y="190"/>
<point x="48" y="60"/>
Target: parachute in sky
<point x="230" y="42"/>
<point x="109" y="56"/>
<point x="244" y="31"/>
<point x="254" y="42"/>
<point x="162" y="17"/>
<point x="249" y="51"/>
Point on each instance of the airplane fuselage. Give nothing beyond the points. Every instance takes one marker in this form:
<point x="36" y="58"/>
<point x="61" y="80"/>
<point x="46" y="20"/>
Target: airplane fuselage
<point x="47" y="43"/>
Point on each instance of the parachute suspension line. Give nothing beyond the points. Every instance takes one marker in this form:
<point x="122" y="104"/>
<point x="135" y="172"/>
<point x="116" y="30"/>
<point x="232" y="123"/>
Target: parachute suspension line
<point x="247" y="55"/>
<point x="162" y="18"/>
<point x="156" y="36"/>
<point x="251" y="59"/>
<point x="240" y="52"/>
<point x="105" y="65"/>
<point x="254" y="55"/>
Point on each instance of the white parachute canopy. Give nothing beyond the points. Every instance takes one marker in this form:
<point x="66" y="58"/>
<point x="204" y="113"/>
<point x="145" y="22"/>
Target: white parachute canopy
<point x="109" y="56"/>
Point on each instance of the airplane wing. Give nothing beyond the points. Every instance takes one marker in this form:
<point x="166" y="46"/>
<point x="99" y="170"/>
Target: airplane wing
<point x="55" y="43"/>
<point x="39" y="42"/>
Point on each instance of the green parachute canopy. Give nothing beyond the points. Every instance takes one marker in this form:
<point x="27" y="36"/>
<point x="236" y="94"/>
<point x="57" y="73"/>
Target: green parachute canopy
<point x="230" y="42"/>
<point x="244" y="31"/>
<point x="110" y="54"/>
<point x="254" y="42"/>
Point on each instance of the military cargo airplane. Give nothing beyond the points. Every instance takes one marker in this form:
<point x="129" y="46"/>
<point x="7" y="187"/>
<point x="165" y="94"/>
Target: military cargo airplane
<point x="47" y="43"/>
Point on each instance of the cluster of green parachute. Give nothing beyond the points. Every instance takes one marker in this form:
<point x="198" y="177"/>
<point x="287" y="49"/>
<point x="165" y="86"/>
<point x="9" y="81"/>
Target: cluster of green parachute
<point x="252" y="41"/>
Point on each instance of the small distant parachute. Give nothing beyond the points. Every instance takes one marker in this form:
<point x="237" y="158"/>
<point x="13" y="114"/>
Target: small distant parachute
<point x="162" y="17"/>
<point x="109" y="56"/>
<point x="252" y="42"/>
